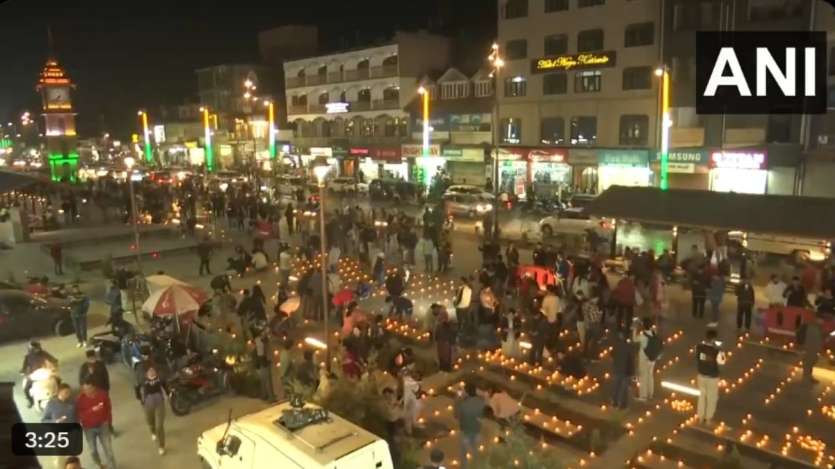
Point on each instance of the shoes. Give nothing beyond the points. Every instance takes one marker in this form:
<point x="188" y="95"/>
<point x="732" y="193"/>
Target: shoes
<point x="79" y="345"/>
<point x="153" y="437"/>
<point x="162" y="451"/>
<point x="712" y="324"/>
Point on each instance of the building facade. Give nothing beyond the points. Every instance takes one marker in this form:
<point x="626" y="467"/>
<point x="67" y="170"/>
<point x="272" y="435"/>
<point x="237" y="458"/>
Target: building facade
<point x="761" y="154"/>
<point x="577" y="94"/>
<point x="349" y="106"/>
<point x="55" y="88"/>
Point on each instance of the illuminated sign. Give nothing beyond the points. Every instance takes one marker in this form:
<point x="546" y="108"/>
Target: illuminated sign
<point x="337" y="108"/>
<point x="159" y="133"/>
<point x="58" y="106"/>
<point x="358" y="151"/>
<point x="738" y="159"/>
<point x="581" y="61"/>
<point x="414" y="150"/>
<point x="321" y="151"/>
<point x="551" y="155"/>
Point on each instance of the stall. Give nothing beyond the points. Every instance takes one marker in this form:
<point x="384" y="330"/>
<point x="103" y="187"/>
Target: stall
<point x="513" y="171"/>
<point x="550" y="174"/>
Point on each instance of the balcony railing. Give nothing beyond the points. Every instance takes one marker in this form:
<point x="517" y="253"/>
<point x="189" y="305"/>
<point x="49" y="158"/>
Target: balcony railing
<point x="361" y="106"/>
<point x="294" y="82"/>
<point x="334" y="77"/>
<point x="314" y="80"/>
<point x="386" y="104"/>
<point x="316" y="108"/>
<point x="384" y="71"/>
<point x="297" y="109"/>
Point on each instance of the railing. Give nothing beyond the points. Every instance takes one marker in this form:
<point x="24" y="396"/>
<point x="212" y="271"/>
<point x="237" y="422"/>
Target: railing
<point x="316" y="108"/>
<point x="361" y="106"/>
<point x="385" y="104"/>
<point x="297" y="109"/>
<point x="384" y="71"/>
<point x="334" y="77"/>
<point x="294" y="82"/>
<point x="312" y="141"/>
<point x="314" y="80"/>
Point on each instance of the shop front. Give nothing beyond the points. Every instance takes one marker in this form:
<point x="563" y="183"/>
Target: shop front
<point x="513" y="171"/>
<point x="379" y="162"/>
<point x="347" y="163"/>
<point x="550" y="174"/>
<point x="687" y="168"/>
<point x="739" y="170"/>
<point x="584" y="169"/>
<point x="423" y="167"/>
<point x="623" y="168"/>
<point x="465" y="165"/>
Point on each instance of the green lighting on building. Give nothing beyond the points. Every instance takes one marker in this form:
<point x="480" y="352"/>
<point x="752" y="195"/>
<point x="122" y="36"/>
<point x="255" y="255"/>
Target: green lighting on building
<point x="5" y="143"/>
<point x="63" y="167"/>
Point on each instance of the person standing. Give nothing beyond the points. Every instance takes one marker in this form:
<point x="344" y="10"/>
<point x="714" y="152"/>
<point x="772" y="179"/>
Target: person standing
<point x="649" y="349"/>
<point x="698" y="293"/>
<point x="715" y="293"/>
<point x="710" y="358"/>
<point x="94" y="371"/>
<point x="289" y="215"/>
<point x="60" y="409"/>
<point x="468" y="411"/>
<point x="204" y="252"/>
<point x="593" y="319"/>
<point x="286" y="370"/>
<point x="463" y="306"/>
<point x="80" y="306"/>
<point x="774" y="292"/>
<point x="285" y="263"/>
<point x="56" y="251"/>
<point x="623" y="368"/>
<point x="812" y="338"/>
<point x="796" y="295"/>
<point x="36" y="358"/>
<point x="625" y="296"/>
<point x="152" y="392"/>
<point x="444" y="341"/>
<point x="94" y="415"/>
<point x="540" y="332"/>
<point x="745" y="300"/>
<point x="263" y="363"/>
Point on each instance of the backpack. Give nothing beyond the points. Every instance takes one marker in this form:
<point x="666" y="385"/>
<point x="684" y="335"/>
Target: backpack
<point x="654" y="347"/>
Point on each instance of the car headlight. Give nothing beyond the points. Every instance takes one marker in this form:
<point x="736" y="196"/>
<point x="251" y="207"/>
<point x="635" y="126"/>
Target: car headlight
<point x="484" y="207"/>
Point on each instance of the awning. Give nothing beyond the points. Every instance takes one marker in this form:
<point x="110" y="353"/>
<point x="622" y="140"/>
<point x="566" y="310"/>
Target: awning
<point x="12" y="181"/>
<point x="812" y="217"/>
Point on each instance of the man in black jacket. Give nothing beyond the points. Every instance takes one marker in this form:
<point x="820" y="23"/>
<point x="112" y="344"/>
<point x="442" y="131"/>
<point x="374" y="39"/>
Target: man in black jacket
<point x="698" y="292"/>
<point x="795" y="294"/>
<point x="744" y="304"/>
<point x="95" y="372"/>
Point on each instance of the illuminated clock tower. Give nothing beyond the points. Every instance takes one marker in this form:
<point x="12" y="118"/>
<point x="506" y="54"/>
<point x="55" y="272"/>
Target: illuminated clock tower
<point x="54" y="87"/>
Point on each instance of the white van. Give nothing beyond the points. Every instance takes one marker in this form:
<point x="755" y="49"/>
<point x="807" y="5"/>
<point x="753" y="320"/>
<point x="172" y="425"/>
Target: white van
<point x="265" y="440"/>
<point x="799" y="249"/>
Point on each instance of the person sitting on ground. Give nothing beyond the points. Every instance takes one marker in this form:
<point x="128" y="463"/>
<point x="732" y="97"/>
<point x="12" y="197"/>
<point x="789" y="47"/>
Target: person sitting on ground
<point x="571" y="364"/>
<point x="503" y="406"/>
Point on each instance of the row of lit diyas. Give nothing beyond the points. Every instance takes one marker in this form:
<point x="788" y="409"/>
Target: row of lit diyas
<point x="406" y="330"/>
<point x="580" y="387"/>
<point x="728" y="386"/>
<point x="793" y="374"/>
<point x="678" y="405"/>
<point x="804" y="442"/>
<point x="674" y="359"/>
<point x="827" y="410"/>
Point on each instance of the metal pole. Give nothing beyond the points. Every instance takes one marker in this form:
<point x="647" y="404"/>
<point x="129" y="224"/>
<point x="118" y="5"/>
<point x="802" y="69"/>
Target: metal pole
<point x="323" y="262"/>
<point x="135" y="227"/>
<point x="496" y="139"/>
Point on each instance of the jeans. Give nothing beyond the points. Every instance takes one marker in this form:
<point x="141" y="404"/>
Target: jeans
<point x="428" y="262"/>
<point x="469" y="444"/>
<point x="743" y="316"/>
<point x="809" y="361"/>
<point x="708" y="395"/>
<point x="79" y="324"/>
<point x="625" y="313"/>
<point x="714" y="310"/>
<point x="101" y="434"/>
<point x="204" y="266"/>
<point x="593" y="334"/>
<point x="620" y="392"/>
<point x="698" y="307"/>
<point x="155" y="416"/>
<point x="646" y="378"/>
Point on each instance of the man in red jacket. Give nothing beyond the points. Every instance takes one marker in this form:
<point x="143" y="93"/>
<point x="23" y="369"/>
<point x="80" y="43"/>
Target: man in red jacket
<point x="624" y="297"/>
<point x="94" y="415"/>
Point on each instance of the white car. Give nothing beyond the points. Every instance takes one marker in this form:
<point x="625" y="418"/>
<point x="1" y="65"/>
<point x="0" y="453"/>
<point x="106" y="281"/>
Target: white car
<point x="467" y="205"/>
<point x="469" y="189"/>
<point x="347" y="185"/>
<point x="277" y="438"/>
<point x="552" y="224"/>
<point x="286" y="185"/>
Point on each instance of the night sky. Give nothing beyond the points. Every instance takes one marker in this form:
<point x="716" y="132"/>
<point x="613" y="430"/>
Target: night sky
<point x="123" y="57"/>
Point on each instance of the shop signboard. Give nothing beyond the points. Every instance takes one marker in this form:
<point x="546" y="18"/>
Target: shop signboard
<point x="623" y="157"/>
<point x="512" y="154"/>
<point x="340" y="152"/>
<point x="321" y="151"/>
<point x="739" y="159"/>
<point x="359" y="151"/>
<point x="552" y="155"/>
<point x="414" y="150"/>
<point x="386" y="153"/>
<point x="452" y="152"/>
<point x="684" y="160"/>
<point x="582" y="156"/>
<point x="581" y="61"/>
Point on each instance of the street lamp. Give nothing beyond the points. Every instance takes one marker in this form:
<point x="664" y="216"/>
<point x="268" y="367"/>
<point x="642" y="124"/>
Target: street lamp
<point x="321" y="170"/>
<point x="271" y="123"/>
<point x="666" y="124"/>
<point x="207" y="140"/>
<point x="497" y="62"/>
<point x="147" y="134"/>
<point x="129" y="163"/>
<point x="425" y="94"/>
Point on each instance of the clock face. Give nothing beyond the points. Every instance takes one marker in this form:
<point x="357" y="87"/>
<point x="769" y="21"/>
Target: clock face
<point x="58" y="95"/>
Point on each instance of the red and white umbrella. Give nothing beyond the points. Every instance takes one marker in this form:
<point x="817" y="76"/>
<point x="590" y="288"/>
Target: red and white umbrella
<point x="174" y="300"/>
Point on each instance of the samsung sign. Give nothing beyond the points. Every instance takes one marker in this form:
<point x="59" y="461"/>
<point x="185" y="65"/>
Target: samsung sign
<point x="764" y="72"/>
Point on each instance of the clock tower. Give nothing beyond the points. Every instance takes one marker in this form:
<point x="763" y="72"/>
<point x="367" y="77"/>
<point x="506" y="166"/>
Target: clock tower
<point x="55" y="88"/>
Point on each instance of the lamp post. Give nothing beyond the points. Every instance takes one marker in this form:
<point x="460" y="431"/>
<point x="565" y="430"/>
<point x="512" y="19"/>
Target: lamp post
<point x="271" y="122"/>
<point x="149" y="156"/>
<point x="249" y="95"/>
<point x="497" y="62"/>
<point x="666" y="124"/>
<point x="425" y="137"/>
<point x="207" y="140"/>
<point x="321" y="170"/>
<point x="129" y="162"/>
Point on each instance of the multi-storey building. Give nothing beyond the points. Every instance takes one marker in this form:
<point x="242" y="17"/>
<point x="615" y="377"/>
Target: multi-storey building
<point x="578" y="99"/>
<point x="349" y="106"/>
<point x="773" y="154"/>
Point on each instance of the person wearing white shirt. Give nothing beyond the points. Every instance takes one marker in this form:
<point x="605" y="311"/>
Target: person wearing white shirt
<point x="551" y="304"/>
<point x="774" y="291"/>
<point x="503" y="406"/>
<point x="285" y="263"/>
<point x="463" y="300"/>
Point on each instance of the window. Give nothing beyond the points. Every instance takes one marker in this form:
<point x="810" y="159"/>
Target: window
<point x="516" y="86"/>
<point x="555" y="5"/>
<point x="639" y="34"/>
<point x="556" y="44"/>
<point x="637" y="78"/>
<point x="324" y="98"/>
<point x="707" y="15"/>
<point x="832" y="60"/>
<point x="765" y="10"/>
<point x="588" y="81"/>
<point x="511" y="130"/>
<point x="483" y="88"/>
<point x="589" y="3"/>
<point x="779" y="128"/>
<point x="590" y="40"/>
<point x="515" y="9"/>
<point x="516" y="49"/>
<point x="554" y="83"/>
<point x="552" y="131"/>
<point x="323" y="70"/>
<point x="634" y="129"/>
<point x="455" y="90"/>
<point x="583" y="130"/>
<point x="364" y="95"/>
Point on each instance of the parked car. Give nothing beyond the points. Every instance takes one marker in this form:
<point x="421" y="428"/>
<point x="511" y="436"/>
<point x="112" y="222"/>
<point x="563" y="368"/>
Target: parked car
<point x="796" y="248"/>
<point x="287" y="185"/>
<point x="287" y="437"/>
<point x="570" y="222"/>
<point x="346" y="185"/>
<point x="393" y="189"/>
<point x="469" y="205"/>
<point x="469" y="189"/>
<point x="23" y="316"/>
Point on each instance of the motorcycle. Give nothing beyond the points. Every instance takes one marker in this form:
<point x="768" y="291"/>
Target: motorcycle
<point x="45" y="382"/>
<point x="197" y="382"/>
<point x="108" y="344"/>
